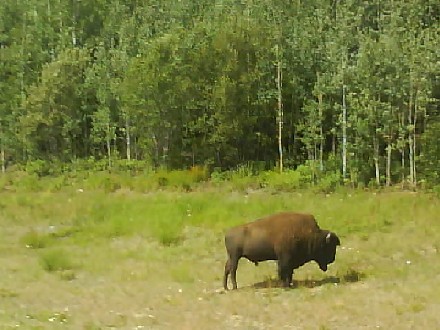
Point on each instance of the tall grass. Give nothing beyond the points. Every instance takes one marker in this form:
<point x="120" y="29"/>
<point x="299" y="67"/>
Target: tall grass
<point x="101" y="209"/>
<point x="56" y="260"/>
<point x="163" y="215"/>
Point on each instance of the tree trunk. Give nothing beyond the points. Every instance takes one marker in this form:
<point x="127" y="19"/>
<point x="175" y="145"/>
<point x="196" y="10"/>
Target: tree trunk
<point x="2" y="152"/>
<point x="321" y="150"/>
<point x="3" y="159"/>
<point x="401" y="145"/>
<point x="156" y="150"/>
<point x="127" y="136"/>
<point x="410" y="137"/>
<point x="344" y="133"/>
<point x="414" y="141"/>
<point x="376" y="158"/>
<point x="74" y="16"/>
<point x="321" y="134"/>
<point x="388" y="170"/>
<point x="334" y="144"/>
<point x="165" y="149"/>
<point x="109" y="153"/>
<point x="389" y="148"/>
<point x="280" y="110"/>
<point x="403" y="167"/>
<point x="2" y="146"/>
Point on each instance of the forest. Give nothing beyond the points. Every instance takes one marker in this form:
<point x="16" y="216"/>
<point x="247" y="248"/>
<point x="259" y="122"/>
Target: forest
<point x="346" y="88"/>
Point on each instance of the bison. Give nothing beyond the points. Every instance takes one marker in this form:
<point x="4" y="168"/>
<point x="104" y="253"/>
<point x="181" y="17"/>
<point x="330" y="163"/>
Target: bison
<point x="292" y="239"/>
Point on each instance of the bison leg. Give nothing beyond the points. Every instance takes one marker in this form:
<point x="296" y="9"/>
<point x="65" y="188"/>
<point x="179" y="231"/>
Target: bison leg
<point x="234" y="265"/>
<point x="230" y="268"/>
<point x="227" y="271"/>
<point x="289" y="277"/>
<point x="285" y="271"/>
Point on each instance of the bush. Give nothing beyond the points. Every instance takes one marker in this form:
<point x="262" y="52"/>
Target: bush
<point x="133" y="167"/>
<point x="35" y="240"/>
<point x="168" y="231"/>
<point x="56" y="260"/>
<point x="199" y="173"/>
<point x="5" y="181"/>
<point x="287" y="181"/>
<point x="436" y="190"/>
<point x="177" y="179"/>
<point x="329" y="182"/>
<point x="89" y="165"/>
<point x="168" y="236"/>
<point x="218" y="176"/>
<point x="103" y="180"/>
<point x="56" y="183"/>
<point x="27" y="182"/>
<point x="38" y="167"/>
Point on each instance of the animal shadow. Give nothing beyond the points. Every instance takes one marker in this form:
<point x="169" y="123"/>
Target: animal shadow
<point x="307" y="283"/>
<point x="350" y="276"/>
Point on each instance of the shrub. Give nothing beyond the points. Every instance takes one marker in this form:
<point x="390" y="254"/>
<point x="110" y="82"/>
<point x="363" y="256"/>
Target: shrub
<point x="133" y="166"/>
<point x="429" y="160"/>
<point x="287" y="181"/>
<point x="218" y="176"/>
<point x="35" y="240"/>
<point x="167" y="235"/>
<point x="27" y="182"/>
<point x="307" y="173"/>
<point x="54" y="184"/>
<point x="38" y="167"/>
<point x="103" y="180"/>
<point x="329" y="182"/>
<point x="56" y="260"/>
<point x="198" y="173"/>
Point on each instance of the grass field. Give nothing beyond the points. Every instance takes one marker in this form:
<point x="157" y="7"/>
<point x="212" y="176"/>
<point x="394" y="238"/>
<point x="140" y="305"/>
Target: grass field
<point x="124" y="260"/>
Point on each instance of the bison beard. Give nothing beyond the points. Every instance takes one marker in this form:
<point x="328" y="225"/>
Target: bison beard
<point x="292" y="239"/>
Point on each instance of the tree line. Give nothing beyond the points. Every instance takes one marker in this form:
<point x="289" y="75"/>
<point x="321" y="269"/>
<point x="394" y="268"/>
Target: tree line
<point x="351" y="87"/>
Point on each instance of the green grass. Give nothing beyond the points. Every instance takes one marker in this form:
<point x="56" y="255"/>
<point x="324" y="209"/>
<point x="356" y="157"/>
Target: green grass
<point x="56" y="260"/>
<point x="100" y="258"/>
<point x="34" y="240"/>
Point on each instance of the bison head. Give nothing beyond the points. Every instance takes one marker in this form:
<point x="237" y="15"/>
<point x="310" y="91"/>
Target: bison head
<point x="327" y="252"/>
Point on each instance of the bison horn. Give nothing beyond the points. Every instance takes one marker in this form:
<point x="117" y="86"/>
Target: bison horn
<point x="327" y="238"/>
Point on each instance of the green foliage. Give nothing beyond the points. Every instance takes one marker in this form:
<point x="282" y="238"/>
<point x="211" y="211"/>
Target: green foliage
<point x="56" y="259"/>
<point x="430" y="156"/>
<point x="328" y="182"/>
<point x="197" y="88"/>
<point x="38" y="167"/>
<point x="288" y="180"/>
<point x="57" y="183"/>
<point x="27" y="182"/>
<point x="5" y="182"/>
<point x="35" y="240"/>
<point x="183" y="180"/>
<point x="102" y="180"/>
<point x="167" y="236"/>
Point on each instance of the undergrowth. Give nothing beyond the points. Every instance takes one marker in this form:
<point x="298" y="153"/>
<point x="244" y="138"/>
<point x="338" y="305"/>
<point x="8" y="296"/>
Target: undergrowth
<point x="164" y="215"/>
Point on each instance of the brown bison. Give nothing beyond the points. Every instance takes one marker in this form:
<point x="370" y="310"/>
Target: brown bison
<point x="292" y="239"/>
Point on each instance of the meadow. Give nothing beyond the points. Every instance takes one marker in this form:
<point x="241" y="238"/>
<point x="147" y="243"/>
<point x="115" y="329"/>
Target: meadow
<point x="93" y="258"/>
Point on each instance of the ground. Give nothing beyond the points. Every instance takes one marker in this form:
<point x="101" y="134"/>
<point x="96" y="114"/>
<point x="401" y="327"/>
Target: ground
<point x="381" y="279"/>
